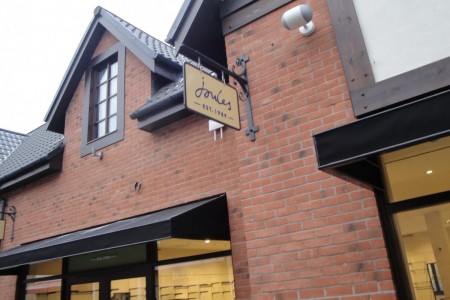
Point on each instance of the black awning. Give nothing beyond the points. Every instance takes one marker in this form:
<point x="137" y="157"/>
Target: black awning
<point x="207" y="218"/>
<point x="352" y="148"/>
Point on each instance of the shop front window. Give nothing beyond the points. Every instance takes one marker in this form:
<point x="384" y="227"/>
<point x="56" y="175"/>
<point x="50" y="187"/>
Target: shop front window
<point x="42" y="284"/>
<point x="418" y="185"/>
<point x="200" y="279"/>
<point x="44" y="290"/>
<point x="85" y="291"/>
<point x="178" y="248"/>
<point x="166" y="269"/>
<point x="186" y="271"/>
<point x="129" y="288"/>
<point x="418" y="170"/>
<point x="424" y="236"/>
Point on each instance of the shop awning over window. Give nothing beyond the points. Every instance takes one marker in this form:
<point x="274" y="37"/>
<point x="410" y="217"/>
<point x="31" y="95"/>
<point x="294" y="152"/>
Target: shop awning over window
<point x="207" y="218"/>
<point x="352" y="149"/>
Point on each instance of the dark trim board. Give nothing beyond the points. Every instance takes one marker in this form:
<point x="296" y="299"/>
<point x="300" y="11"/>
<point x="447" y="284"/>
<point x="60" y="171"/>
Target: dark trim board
<point x="350" y="41"/>
<point x="402" y="88"/>
<point x="236" y="14"/>
<point x="367" y="96"/>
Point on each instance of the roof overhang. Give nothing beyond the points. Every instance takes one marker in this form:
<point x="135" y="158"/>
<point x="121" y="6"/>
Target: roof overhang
<point x="353" y="149"/>
<point x="103" y="20"/>
<point x="31" y="174"/>
<point x="206" y="218"/>
<point x="199" y="26"/>
<point x="163" y="108"/>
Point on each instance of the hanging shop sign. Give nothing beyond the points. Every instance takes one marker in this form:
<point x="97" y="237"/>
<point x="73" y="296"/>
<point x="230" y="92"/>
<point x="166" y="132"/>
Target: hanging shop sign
<point x="210" y="97"/>
<point x="2" y="229"/>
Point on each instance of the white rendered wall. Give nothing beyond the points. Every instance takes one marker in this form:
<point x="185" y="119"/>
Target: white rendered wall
<point x="402" y="35"/>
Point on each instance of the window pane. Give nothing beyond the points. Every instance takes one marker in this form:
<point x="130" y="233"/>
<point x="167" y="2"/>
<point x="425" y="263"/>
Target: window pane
<point x="84" y="291"/>
<point x="417" y="170"/>
<point x="113" y="87"/>
<point x="101" y="129"/>
<point x="177" y="248"/>
<point x="101" y="111"/>
<point x="104" y="102"/>
<point x="130" y="288"/>
<point x="112" y="106"/>
<point x="424" y="238"/>
<point x="114" y="69"/>
<point x="44" y="290"/>
<point x="112" y="124"/>
<point x="102" y="93"/>
<point x="102" y="75"/>
<point x="196" y="280"/>
<point x="47" y="268"/>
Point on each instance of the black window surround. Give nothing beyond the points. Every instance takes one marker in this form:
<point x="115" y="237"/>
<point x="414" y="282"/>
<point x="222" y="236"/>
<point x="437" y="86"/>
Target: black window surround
<point x="87" y="145"/>
<point x="368" y="96"/>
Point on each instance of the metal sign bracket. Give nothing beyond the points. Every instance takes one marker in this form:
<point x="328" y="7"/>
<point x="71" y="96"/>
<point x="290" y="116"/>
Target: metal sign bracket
<point x="240" y="77"/>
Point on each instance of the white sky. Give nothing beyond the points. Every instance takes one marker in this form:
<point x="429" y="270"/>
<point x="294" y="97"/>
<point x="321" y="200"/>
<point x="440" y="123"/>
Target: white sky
<point x="39" y="39"/>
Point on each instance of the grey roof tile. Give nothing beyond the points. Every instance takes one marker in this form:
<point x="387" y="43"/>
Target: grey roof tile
<point x="9" y="141"/>
<point x="154" y="44"/>
<point x="170" y="90"/>
<point x="38" y="146"/>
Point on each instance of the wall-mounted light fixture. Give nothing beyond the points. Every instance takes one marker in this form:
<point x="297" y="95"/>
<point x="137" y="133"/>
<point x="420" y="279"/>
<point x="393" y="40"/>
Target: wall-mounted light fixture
<point x="95" y="153"/>
<point x="299" y="17"/>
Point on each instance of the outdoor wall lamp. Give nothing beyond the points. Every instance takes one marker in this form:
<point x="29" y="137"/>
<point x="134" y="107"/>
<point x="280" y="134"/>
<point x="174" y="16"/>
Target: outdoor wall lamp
<point x="96" y="153"/>
<point x="299" y="17"/>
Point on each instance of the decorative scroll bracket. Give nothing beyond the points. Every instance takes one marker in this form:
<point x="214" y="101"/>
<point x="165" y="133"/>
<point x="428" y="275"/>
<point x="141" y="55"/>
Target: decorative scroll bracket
<point x="12" y="214"/>
<point x="242" y="63"/>
<point x="240" y="78"/>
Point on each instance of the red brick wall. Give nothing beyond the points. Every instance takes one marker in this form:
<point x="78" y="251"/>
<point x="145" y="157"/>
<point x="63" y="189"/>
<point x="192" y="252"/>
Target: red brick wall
<point x="297" y="233"/>
<point x="308" y="234"/>
<point x="176" y="164"/>
<point x="7" y="287"/>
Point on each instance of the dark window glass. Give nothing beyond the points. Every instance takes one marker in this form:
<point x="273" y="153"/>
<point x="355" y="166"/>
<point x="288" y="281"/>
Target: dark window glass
<point x="103" y="110"/>
<point x="105" y="99"/>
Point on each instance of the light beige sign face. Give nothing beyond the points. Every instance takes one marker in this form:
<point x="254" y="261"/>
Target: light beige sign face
<point x="210" y="97"/>
<point x="2" y="229"/>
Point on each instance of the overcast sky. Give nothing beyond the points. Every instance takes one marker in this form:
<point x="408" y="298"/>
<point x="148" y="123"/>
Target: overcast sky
<point x="39" y="39"/>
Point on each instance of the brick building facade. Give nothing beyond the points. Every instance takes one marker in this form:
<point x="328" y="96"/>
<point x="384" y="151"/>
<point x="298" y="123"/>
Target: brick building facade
<point x="98" y="193"/>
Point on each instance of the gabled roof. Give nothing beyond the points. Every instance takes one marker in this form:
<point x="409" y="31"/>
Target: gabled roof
<point x="9" y="141"/>
<point x="156" y="55"/>
<point x="32" y="158"/>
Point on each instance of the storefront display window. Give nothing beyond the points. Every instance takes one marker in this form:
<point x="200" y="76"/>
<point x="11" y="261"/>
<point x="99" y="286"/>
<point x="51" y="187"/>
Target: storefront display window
<point x="185" y="269"/>
<point x="178" y="248"/>
<point x="44" y="290"/>
<point x="200" y="279"/>
<point x="45" y="269"/>
<point x="417" y="187"/>
<point x="85" y="291"/>
<point x="129" y="288"/>
<point x="424" y="236"/>
<point x="418" y="170"/>
<point x="41" y="283"/>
